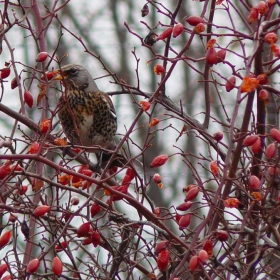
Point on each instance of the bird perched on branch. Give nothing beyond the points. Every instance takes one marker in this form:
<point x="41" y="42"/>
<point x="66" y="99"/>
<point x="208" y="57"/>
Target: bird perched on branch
<point x="87" y="114"/>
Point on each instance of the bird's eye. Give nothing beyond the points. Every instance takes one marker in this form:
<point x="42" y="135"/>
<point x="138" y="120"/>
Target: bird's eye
<point x="73" y="71"/>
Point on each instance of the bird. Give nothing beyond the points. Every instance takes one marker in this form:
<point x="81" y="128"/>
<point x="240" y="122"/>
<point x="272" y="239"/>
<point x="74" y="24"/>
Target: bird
<point x="87" y="115"/>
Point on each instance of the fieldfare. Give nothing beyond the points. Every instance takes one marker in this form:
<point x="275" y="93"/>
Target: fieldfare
<point x="87" y="114"/>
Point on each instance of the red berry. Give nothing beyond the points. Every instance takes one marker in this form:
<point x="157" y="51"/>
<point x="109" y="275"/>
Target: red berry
<point x="7" y="277"/>
<point x="184" y="206"/>
<point x="5" y="238"/>
<point x="163" y="260"/>
<point x="159" y="161"/>
<point x="230" y="84"/>
<point x="42" y="56"/>
<point x="185" y="221"/>
<point x="254" y="182"/>
<point x="275" y="133"/>
<point x="49" y="75"/>
<point x="41" y="210"/>
<point x="264" y="96"/>
<point x="84" y="230"/>
<point x="95" y="209"/>
<point x="160" y="246"/>
<point x="194" y="261"/>
<point x="5" y="170"/>
<point x="22" y="190"/>
<point x="250" y="140"/>
<point x="129" y="176"/>
<point x="256" y="147"/>
<point x="165" y="34"/>
<point x="62" y="246"/>
<point x="270" y="151"/>
<point x="218" y="136"/>
<point x="157" y="178"/>
<point x="95" y="238"/>
<point x="192" y="193"/>
<point x="14" y="83"/>
<point x="57" y="266"/>
<point x="33" y="265"/>
<point x="75" y="200"/>
<point x="194" y="20"/>
<point x="28" y="98"/>
<point x="211" y="56"/>
<point x="203" y="256"/>
<point x="208" y="247"/>
<point x="5" y="72"/>
<point x="3" y="268"/>
<point x="222" y="235"/>
<point x="221" y="54"/>
<point x="263" y="79"/>
<point x="177" y="29"/>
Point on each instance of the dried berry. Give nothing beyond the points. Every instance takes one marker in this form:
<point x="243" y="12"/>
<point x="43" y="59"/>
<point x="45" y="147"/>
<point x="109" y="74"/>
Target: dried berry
<point x="253" y="15"/>
<point x="45" y="125"/>
<point x="145" y="10"/>
<point x="159" y="69"/>
<point x="199" y="28"/>
<point x="151" y="38"/>
<point x="25" y="230"/>
<point x="34" y="148"/>
<point x="145" y="105"/>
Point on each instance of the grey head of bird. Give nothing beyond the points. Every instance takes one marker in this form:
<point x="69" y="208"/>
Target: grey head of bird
<point x="76" y="77"/>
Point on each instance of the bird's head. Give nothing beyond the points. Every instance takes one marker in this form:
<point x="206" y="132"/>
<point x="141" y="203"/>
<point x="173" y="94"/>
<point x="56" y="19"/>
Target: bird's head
<point x="76" y="76"/>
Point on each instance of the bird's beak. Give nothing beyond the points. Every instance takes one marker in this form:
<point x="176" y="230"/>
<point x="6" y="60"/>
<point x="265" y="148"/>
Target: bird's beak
<point x="60" y="76"/>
